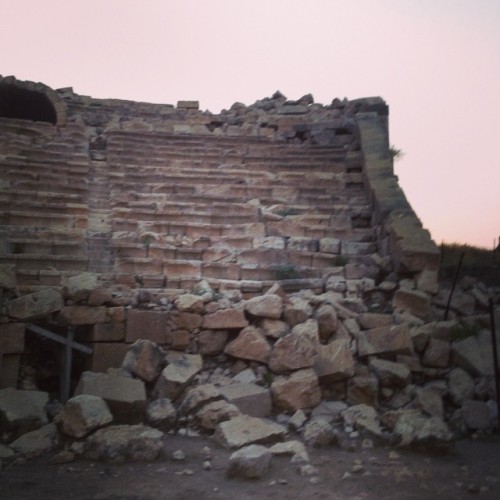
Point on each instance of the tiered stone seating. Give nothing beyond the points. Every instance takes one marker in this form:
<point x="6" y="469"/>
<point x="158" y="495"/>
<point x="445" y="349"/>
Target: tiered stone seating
<point x="43" y="200"/>
<point x="233" y="209"/>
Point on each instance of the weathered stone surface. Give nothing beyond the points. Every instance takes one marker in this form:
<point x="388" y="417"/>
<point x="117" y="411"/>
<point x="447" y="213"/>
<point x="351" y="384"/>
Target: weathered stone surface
<point x="476" y="415"/>
<point x="416" y="302"/>
<point x="197" y="396"/>
<point x="363" y="389"/>
<point x="467" y="354"/>
<point x="334" y="361"/>
<point x="7" y="277"/>
<point x="274" y="328"/>
<point x="82" y="414"/>
<point x="329" y="245"/>
<point x="100" y="296"/>
<point x="119" y="443"/>
<point x="161" y="414"/>
<point x="416" y="430"/>
<point x="243" y="430"/>
<point x="150" y="325"/>
<point x="288" y="448"/>
<point x="82" y="315"/>
<point x="332" y="410"/>
<point x="389" y="373"/>
<point x="177" y="375"/>
<point x="189" y="302"/>
<point x="460" y="386"/>
<point x="12" y="338"/>
<point x="296" y="391"/>
<point x="79" y="287"/>
<point x="437" y="354"/>
<point x="211" y="342"/>
<point x="125" y="396"/>
<point x="251" y="344"/>
<point x="364" y="417"/>
<point x="297" y="349"/>
<point x="265" y="306"/>
<point x="368" y="320"/>
<point x="144" y="359"/>
<point x="249" y="462"/>
<point x="210" y="415"/>
<point x="297" y="311"/>
<point x="319" y="432"/>
<point x="386" y="339"/>
<point x="251" y="399"/>
<point x="35" y="305"/>
<point x="225" y="319"/>
<point x="326" y="316"/>
<point x="22" y="411"/>
<point x="35" y="443"/>
<point x="429" y="401"/>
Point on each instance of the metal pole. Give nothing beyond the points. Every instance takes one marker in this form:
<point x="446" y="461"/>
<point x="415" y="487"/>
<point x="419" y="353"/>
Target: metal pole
<point x="66" y="367"/>
<point x="455" y="279"/>
<point x="495" y="357"/>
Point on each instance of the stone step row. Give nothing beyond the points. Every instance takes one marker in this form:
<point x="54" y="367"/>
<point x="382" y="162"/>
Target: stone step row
<point x="30" y="205"/>
<point x="37" y="262"/>
<point x="44" y="220"/>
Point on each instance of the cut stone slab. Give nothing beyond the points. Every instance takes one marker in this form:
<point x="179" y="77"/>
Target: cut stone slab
<point x="251" y="399"/>
<point x="251" y="344"/>
<point x="82" y="414"/>
<point x="265" y="306"/>
<point x="119" y="443"/>
<point x="178" y="374"/>
<point x="334" y="361"/>
<point x="22" y="411"/>
<point x="225" y="319"/>
<point x="35" y="305"/>
<point x="144" y="359"/>
<point x="298" y="390"/>
<point x="389" y="373"/>
<point x="35" y="443"/>
<point x="387" y="339"/>
<point x="244" y="430"/>
<point x="125" y="396"/>
<point x="250" y="462"/>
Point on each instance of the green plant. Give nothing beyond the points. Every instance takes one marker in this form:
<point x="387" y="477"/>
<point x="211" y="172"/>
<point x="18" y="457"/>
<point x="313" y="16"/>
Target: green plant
<point x="146" y="240"/>
<point x="396" y="154"/>
<point x="340" y="261"/>
<point x="285" y="272"/>
<point x="464" y="330"/>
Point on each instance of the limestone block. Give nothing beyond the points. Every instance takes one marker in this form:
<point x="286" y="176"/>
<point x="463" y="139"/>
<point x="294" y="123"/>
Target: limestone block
<point x="274" y="328"/>
<point x="244" y="430"/>
<point x="429" y="401"/>
<point x="11" y="338"/>
<point x="99" y="296"/>
<point x="35" y="443"/>
<point x="296" y="391"/>
<point x="334" y="361"/>
<point x="329" y="245"/>
<point x="35" y="305"/>
<point x="119" y="443"/>
<point x="151" y="325"/>
<point x="79" y="287"/>
<point x="82" y="414"/>
<point x="363" y="389"/>
<point x="161" y="414"/>
<point x="363" y="417"/>
<point x="249" y="462"/>
<point x="225" y="319"/>
<point x="186" y="320"/>
<point x="144" y="359"/>
<point x="302" y="244"/>
<point x="319" y="432"/>
<point x="460" y="386"/>
<point x="106" y="332"/>
<point x="126" y="397"/>
<point x="437" y="354"/>
<point x="297" y="311"/>
<point x="22" y="411"/>
<point x="190" y="303"/>
<point x="427" y="281"/>
<point x="7" y="277"/>
<point x="416" y="302"/>
<point x="265" y="306"/>
<point x="177" y="375"/>
<point x="389" y="373"/>
<point x="211" y="342"/>
<point x="326" y="316"/>
<point x="476" y="415"/>
<point x="417" y="430"/>
<point x="210" y="415"/>
<point x="107" y="355"/>
<point x="251" y="399"/>
<point x="269" y="242"/>
<point x="386" y="339"/>
<point x="251" y="344"/>
<point x="368" y="320"/>
<point x="188" y="104"/>
<point x="82" y="315"/>
<point x="198" y="396"/>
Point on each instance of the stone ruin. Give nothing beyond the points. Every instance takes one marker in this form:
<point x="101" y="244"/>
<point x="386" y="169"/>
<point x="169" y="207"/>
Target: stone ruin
<point x="224" y="269"/>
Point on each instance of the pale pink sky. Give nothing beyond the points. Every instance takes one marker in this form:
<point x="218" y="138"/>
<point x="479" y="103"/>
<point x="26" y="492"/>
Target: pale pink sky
<point x="435" y="62"/>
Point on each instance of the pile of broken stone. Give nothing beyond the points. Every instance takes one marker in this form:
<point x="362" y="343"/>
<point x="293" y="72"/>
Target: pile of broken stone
<point x="297" y="370"/>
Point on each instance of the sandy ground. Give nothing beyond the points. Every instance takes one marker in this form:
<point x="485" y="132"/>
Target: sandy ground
<point x="473" y="469"/>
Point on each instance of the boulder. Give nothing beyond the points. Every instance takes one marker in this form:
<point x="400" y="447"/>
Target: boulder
<point x="389" y="373"/>
<point x="429" y="401"/>
<point x="386" y="339"/>
<point x="334" y="361"/>
<point x="460" y="386"/>
<point x="363" y="389"/>
<point x="244" y="429"/>
<point x="297" y="311"/>
<point x="363" y="417"/>
<point x="211" y="342"/>
<point x="225" y="319"/>
<point x="416" y="302"/>
<point x="161" y="414"/>
<point x="198" y="396"/>
<point x="467" y="354"/>
<point x="251" y="399"/>
<point x="265" y="306"/>
<point x="144" y="359"/>
<point x="416" y="430"/>
<point x="274" y="328"/>
<point x="35" y="443"/>
<point x="119" y="443"/>
<point x="210" y="415"/>
<point x="251" y="344"/>
<point x="35" y="305"/>
<point x="298" y="390"/>
<point x="250" y="462"/>
<point x="319" y="432"/>
<point x="82" y="414"/>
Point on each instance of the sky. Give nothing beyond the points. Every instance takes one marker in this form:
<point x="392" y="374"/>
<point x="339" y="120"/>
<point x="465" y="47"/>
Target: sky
<point x="435" y="62"/>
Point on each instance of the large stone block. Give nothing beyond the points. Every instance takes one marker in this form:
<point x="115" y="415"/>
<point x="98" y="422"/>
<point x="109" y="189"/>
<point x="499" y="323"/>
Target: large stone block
<point x="12" y="338"/>
<point x="334" y="361"/>
<point x="82" y="315"/>
<point x="107" y="355"/>
<point x="35" y="305"/>
<point x="150" y="325"/>
<point x="251" y="344"/>
<point x="251" y="399"/>
<point x="7" y="277"/>
<point x="80" y="287"/>
<point x="265" y="306"/>
<point x="297" y="391"/>
<point x="416" y="302"/>
<point x="386" y="339"/>
<point x="225" y="319"/>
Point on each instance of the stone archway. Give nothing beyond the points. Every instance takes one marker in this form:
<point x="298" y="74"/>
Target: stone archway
<point x="24" y="100"/>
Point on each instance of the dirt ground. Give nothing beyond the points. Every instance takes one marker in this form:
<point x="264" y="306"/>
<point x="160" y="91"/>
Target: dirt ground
<point x="473" y="469"/>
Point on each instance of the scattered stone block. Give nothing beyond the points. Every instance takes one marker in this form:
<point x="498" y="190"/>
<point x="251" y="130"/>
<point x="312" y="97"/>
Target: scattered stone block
<point x="244" y="430"/>
<point x="363" y="389"/>
<point x="35" y="305"/>
<point x="387" y="339"/>
<point x="188" y="302"/>
<point x="161" y="414"/>
<point x="476" y="415"/>
<point x="212" y="414"/>
<point x="364" y="417"/>
<point x="144" y="359"/>
<point x="82" y="315"/>
<point x="198" y="396"/>
<point x="225" y="319"/>
<point x="416" y="302"/>
<point x="274" y="328"/>
<point x="150" y="325"/>
<point x="265" y="306"/>
<point x="250" y="462"/>
<point x="437" y="354"/>
<point x="415" y="430"/>
<point x="11" y="338"/>
<point x="7" y="277"/>
<point x="107" y="355"/>
<point x="211" y="342"/>
<point x="80" y="287"/>
<point x="326" y="316"/>
<point x="297" y="311"/>
<point x="389" y="373"/>
<point x="82" y="414"/>
<point x="334" y="361"/>
<point x="367" y="320"/>
<point x="429" y="401"/>
<point x="298" y="390"/>
<point x="251" y="344"/>
<point x="460" y="386"/>
<point x="251" y="399"/>
<point x="37" y="442"/>
<point x="319" y="432"/>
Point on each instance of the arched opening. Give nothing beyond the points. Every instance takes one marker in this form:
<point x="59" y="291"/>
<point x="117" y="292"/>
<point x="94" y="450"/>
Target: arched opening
<point x="24" y="104"/>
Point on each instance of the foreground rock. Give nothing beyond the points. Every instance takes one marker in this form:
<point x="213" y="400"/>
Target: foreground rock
<point x="419" y="431"/>
<point x="250" y="462"/>
<point x="35" y="443"/>
<point x="119" y="443"/>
